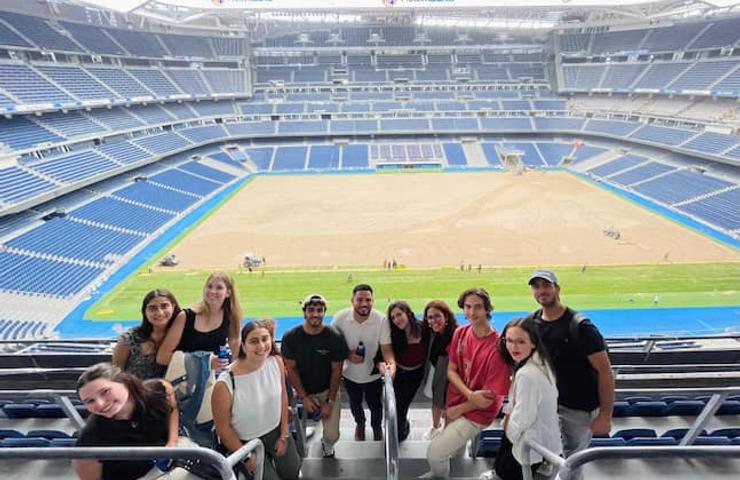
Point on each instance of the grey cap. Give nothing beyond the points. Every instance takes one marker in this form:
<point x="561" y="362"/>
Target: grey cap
<point x="313" y="298"/>
<point x="544" y="274"/>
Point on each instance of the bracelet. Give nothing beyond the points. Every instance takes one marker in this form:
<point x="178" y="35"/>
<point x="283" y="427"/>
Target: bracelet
<point x="284" y="436"/>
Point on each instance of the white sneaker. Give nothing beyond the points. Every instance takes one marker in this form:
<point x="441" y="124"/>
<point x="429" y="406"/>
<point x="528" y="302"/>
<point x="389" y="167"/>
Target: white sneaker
<point x="429" y="474"/>
<point x="431" y="433"/>
<point x="327" y="451"/>
<point x="310" y="431"/>
<point x="489" y="475"/>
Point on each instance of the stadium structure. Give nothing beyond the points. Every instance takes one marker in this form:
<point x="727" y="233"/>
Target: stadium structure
<point x="125" y="121"/>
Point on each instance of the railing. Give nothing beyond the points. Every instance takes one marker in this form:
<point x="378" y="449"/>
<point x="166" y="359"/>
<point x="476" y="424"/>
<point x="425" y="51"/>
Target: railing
<point x="684" y="450"/>
<point x="390" y="417"/>
<point x="224" y="465"/>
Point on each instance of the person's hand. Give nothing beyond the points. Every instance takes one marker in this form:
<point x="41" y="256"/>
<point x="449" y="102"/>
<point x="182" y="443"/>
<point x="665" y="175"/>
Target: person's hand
<point x="482" y="398"/>
<point x="280" y="446"/>
<point x="354" y="358"/>
<point x="309" y="405"/>
<point x="251" y="464"/>
<point x="601" y="425"/>
<point x="389" y="367"/>
<point x="218" y="363"/>
<point x="452" y="413"/>
<point x="326" y="409"/>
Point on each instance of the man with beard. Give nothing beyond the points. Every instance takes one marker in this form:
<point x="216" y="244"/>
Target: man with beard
<point x="365" y="330"/>
<point x="313" y="354"/>
<point x="579" y="357"/>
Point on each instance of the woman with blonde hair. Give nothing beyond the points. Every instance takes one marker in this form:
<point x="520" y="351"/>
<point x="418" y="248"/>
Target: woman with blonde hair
<point x="212" y="322"/>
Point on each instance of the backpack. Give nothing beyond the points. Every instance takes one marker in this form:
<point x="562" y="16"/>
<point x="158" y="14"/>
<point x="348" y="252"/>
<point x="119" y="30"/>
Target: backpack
<point x="574" y="335"/>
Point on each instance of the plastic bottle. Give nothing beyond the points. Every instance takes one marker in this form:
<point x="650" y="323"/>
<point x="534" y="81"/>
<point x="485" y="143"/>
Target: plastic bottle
<point x="360" y="350"/>
<point x="223" y="354"/>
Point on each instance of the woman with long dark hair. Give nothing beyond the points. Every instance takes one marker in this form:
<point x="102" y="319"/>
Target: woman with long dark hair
<point x="124" y="411"/>
<point x="410" y="342"/>
<point x="533" y="400"/>
<point x="136" y="349"/>
<point x="250" y="400"/>
<point x="441" y="321"/>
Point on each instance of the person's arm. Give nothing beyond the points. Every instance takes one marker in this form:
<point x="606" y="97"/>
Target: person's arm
<point x="329" y="405"/>
<point x="88" y="469"/>
<point x="524" y="412"/>
<point x="282" y="442"/>
<point x="602" y="424"/>
<point x="221" y="400"/>
<point x="478" y="399"/>
<point x="295" y="381"/>
<point x="121" y="353"/>
<point x="171" y="340"/>
<point x="174" y="420"/>
<point x="389" y="359"/>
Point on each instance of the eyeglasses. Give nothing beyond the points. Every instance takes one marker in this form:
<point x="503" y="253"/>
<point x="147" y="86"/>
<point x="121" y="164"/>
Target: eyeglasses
<point x="435" y="318"/>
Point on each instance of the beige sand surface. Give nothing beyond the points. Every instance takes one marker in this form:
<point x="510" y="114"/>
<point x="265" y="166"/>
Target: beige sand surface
<point x="437" y="219"/>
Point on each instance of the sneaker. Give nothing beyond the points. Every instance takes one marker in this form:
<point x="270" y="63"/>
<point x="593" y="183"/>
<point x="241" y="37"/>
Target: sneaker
<point x="310" y="431"/>
<point x="359" y="433"/>
<point x="378" y="434"/>
<point x="489" y="475"/>
<point x="327" y="451"/>
<point x="431" y="433"/>
<point x="429" y="474"/>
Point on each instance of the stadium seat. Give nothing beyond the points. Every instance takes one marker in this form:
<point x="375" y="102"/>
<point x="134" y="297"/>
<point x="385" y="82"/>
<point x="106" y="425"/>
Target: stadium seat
<point x="488" y="446"/>
<point x="649" y="409"/>
<point x="18" y="410"/>
<point x="49" y="411"/>
<point x="608" y="442"/>
<point x="673" y="398"/>
<point x="651" y="441"/>
<point x="24" y="442"/>
<point x="638" y="398"/>
<point x="729" y="408"/>
<point x="684" y="407"/>
<point x="10" y="433"/>
<point x="733" y="432"/>
<point x="63" y="442"/>
<point x="679" y="433"/>
<point x="635" y="432"/>
<point x="50" y="434"/>
<point x="622" y="409"/>
<point x="706" y="440"/>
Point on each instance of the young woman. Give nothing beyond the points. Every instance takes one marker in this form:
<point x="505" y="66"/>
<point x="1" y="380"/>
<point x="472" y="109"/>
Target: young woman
<point x="136" y="349"/>
<point x="533" y="399"/>
<point x="441" y="321"/>
<point x="211" y="323"/>
<point x="124" y="411"/>
<point x="410" y="342"/>
<point x="250" y="400"/>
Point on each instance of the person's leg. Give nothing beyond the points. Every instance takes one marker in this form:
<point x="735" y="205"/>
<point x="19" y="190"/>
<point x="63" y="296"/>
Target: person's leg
<point x="405" y="385"/>
<point x="373" y="397"/>
<point x="331" y="424"/>
<point x="575" y="430"/>
<point x="355" y="392"/>
<point x="288" y="465"/>
<point x="454" y="437"/>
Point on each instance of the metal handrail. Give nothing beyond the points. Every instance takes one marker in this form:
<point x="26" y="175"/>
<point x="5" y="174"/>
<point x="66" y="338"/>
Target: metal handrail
<point x="390" y="417"/>
<point x="224" y="465"/>
<point x="589" y="455"/>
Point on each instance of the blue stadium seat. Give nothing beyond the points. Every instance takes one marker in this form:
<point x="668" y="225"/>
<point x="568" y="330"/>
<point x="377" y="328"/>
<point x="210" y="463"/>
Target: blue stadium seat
<point x="608" y="442"/>
<point x="673" y="398"/>
<point x="10" y="433"/>
<point x="50" y="434"/>
<point x="49" y="411"/>
<point x="638" y="398"/>
<point x="622" y="409"/>
<point x="649" y="409"/>
<point x="713" y="440"/>
<point x="684" y="407"/>
<point x="635" y="432"/>
<point x="732" y="432"/>
<point x="63" y="442"/>
<point x="651" y="442"/>
<point x="679" y="433"/>
<point x="729" y="407"/>
<point x="24" y="442"/>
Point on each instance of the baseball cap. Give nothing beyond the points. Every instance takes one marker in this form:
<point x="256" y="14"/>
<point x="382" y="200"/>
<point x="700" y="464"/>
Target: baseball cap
<point x="544" y="274"/>
<point x="313" y="298"/>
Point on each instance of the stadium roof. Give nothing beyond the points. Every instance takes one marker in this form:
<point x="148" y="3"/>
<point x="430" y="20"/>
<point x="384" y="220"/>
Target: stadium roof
<point x="505" y="14"/>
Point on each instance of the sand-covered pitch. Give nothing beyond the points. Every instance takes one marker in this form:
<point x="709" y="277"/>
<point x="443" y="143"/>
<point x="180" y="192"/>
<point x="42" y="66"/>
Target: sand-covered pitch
<point x="437" y="219"/>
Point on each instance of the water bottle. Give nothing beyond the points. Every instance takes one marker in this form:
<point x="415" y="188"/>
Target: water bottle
<point x="163" y="464"/>
<point x="223" y="354"/>
<point x="360" y="350"/>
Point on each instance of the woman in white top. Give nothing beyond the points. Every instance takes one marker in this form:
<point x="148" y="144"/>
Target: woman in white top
<point x="250" y="401"/>
<point x="532" y="410"/>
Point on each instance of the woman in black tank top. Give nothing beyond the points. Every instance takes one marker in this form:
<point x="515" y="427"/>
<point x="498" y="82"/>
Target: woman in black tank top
<point x="212" y="322"/>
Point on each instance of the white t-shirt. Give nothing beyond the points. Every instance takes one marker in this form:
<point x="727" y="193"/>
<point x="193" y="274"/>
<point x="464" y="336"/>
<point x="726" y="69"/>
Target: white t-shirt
<point x="256" y="404"/>
<point x="372" y="333"/>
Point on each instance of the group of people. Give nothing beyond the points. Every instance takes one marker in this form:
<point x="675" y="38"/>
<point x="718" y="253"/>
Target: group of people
<point x="552" y="366"/>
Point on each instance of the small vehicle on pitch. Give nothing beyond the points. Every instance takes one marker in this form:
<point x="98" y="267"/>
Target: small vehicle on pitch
<point x="251" y="260"/>
<point x="169" y="260"/>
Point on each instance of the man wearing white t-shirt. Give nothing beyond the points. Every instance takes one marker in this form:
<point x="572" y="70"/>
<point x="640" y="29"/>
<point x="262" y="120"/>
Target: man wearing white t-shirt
<point x="363" y="324"/>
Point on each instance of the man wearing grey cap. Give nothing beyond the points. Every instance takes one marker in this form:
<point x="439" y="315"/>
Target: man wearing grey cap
<point x="313" y="354"/>
<point x="578" y="352"/>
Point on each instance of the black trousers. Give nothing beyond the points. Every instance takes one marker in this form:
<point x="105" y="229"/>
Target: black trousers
<point x="372" y="393"/>
<point x="405" y="384"/>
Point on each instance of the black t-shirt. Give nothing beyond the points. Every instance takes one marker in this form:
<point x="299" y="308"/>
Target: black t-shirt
<point x="142" y="430"/>
<point x="440" y="342"/>
<point x="194" y="341"/>
<point x="576" y="379"/>
<point x="314" y="355"/>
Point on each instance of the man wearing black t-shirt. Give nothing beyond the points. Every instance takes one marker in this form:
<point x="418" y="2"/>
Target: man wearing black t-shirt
<point x="578" y="353"/>
<point x="313" y="354"/>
